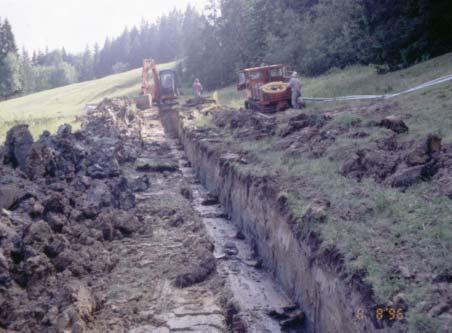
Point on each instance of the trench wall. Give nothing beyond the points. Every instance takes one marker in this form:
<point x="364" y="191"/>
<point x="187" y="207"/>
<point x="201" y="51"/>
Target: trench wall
<point x="328" y="301"/>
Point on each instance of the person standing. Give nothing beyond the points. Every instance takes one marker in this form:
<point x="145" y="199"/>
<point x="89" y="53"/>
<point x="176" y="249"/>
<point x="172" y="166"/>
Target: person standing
<point x="295" y="86"/>
<point x="197" y="88"/>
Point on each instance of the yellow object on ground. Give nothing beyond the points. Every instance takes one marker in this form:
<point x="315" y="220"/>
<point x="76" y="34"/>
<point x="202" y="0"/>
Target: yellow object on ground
<point x="274" y="87"/>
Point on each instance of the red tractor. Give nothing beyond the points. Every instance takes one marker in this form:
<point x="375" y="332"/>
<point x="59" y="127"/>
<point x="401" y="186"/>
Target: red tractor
<point x="266" y="87"/>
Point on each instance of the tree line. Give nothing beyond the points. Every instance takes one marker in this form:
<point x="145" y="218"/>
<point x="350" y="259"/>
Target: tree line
<point x="315" y="35"/>
<point x="312" y="35"/>
<point x="158" y="39"/>
<point x="23" y="73"/>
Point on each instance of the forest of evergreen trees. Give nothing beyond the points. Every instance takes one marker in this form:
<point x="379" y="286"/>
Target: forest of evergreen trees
<point x="312" y="35"/>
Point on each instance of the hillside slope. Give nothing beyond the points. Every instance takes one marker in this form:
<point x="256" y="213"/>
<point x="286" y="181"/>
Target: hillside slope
<point x="379" y="197"/>
<point x="46" y="110"/>
<point x="429" y="105"/>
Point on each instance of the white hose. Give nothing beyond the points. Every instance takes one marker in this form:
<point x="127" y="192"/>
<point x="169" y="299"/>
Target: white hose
<point x="385" y="96"/>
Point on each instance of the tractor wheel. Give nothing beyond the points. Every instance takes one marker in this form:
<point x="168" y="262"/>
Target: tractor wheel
<point x="273" y="88"/>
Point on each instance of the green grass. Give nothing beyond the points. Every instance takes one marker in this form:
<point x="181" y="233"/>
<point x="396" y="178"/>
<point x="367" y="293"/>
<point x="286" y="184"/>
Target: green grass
<point x="229" y="96"/>
<point x="425" y="111"/>
<point x="46" y="110"/>
<point x="376" y="227"/>
<point x="357" y="80"/>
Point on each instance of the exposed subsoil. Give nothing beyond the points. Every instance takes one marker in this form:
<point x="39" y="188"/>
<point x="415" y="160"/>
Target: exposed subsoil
<point x="260" y="302"/>
<point x="93" y="238"/>
<point x="392" y="159"/>
<point x="101" y="230"/>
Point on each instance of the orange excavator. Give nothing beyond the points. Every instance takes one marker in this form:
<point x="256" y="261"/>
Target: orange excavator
<point x="164" y="89"/>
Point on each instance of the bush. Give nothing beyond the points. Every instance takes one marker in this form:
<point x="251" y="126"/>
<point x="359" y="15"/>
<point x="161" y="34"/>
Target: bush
<point x="120" y="67"/>
<point x="48" y="77"/>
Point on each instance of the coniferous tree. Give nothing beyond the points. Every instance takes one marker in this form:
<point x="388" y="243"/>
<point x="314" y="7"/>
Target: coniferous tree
<point x="86" y="71"/>
<point x="8" y="42"/>
<point x="10" y="82"/>
<point x="26" y="73"/>
<point x="96" y="61"/>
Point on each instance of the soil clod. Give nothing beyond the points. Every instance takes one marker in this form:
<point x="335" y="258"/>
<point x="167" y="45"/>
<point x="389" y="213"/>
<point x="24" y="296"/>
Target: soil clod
<point x="211" y="200"/>
<point x="394" y="123"/>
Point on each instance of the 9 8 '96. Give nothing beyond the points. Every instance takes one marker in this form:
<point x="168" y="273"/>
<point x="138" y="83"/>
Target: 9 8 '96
<point x="383" y="313"/>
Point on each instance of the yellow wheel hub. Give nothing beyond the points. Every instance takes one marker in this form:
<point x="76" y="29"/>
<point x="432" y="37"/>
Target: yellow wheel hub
<point x="274" y="87"/>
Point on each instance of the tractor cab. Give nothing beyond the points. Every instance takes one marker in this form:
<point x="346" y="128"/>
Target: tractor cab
<point x="266" y="87"/>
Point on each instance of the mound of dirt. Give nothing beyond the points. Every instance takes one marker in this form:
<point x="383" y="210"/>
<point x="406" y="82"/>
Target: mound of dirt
<point x="305" y="135"/>
<point x="246" y="124"/>
<point x="18" y="144"/>
<point x="395" y="124"/>
<point x="302" y="121"/>
<point x="192" y="102"/>
<point x="402" y="164"/>
<point x="62" y="198"/>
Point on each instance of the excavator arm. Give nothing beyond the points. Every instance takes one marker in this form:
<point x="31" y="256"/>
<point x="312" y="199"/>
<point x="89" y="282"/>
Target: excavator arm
<point x="147" y="88"/>
<point x="163" y="89"/>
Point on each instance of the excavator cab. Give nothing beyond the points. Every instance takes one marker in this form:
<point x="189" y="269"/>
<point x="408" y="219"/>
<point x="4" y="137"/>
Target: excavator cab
<point x="168" y="87"/>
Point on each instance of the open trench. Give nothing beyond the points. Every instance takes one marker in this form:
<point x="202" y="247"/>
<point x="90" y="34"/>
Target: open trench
<point x="139" y="295"/>
<point x="256" y="294"/>
<point x="262" y="304"/>
<point x="293" y="269"/>
<point x="171" y="238"/>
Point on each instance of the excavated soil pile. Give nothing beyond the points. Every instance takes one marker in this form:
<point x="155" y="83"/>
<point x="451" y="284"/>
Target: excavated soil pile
<point x="62" y="197"/>
<point x="68" y="204"/>
<point x="298" y="164"/>
<point x="302" y="134"/>
<point x="402" y="164"/>
<point x="391" y="160"/>
<point x="246" y="124"/>
<point x="197" y="101"/>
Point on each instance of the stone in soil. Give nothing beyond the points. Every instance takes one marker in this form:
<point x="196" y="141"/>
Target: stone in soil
<point x="17" y="146"/>
<point x="197" y="273"/>
<point x="152" y="165"/>
<point x="230" y="249"/>
<point x="211" y="200"/>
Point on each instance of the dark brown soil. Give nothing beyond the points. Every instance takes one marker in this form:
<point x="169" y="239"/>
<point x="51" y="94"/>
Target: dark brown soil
<point x="69" y="202"/>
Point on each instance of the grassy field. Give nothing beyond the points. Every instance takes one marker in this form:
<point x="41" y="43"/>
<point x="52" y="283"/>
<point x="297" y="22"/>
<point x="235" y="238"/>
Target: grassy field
<point x="49" y="109"/>
<point x="429" y="106"/>
<point x="375" y="227"/>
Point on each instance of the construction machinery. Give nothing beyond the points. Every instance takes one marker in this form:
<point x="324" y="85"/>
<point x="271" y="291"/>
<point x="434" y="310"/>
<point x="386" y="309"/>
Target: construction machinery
<point x="266" y="87"/>
<point x="163" y="90"/>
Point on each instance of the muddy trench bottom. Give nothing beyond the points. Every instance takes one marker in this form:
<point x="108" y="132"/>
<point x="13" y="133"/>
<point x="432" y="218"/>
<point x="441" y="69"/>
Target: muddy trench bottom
<point x="181" y="217"/>
<point x="262" y="304"/>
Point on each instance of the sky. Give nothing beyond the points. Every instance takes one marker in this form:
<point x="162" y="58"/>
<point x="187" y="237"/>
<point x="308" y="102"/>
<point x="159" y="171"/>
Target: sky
<point x="75" y="23"/>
